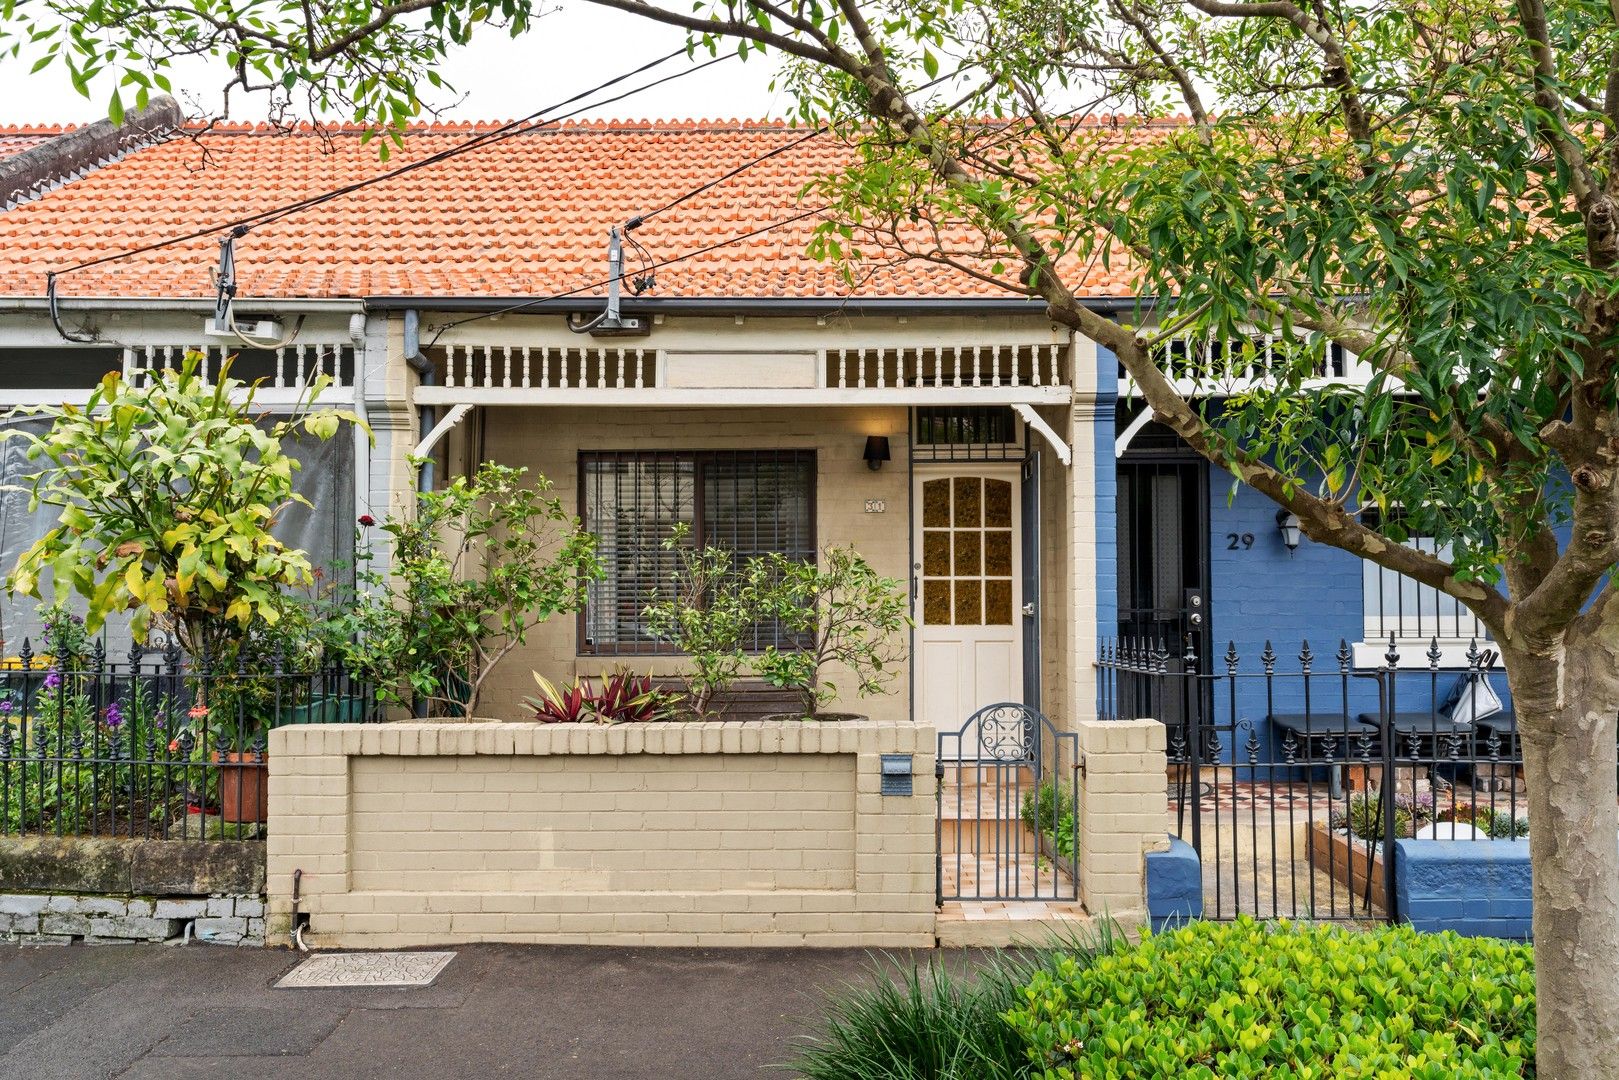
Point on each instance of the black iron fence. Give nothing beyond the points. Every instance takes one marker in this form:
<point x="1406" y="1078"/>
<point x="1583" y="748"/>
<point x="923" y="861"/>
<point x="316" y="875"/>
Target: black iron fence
<point x="1288" y="773"/>
<point x="154" y="747"/>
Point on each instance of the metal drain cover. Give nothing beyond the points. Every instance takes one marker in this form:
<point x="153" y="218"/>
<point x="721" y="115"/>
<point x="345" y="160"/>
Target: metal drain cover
<point x="368" y="969"/>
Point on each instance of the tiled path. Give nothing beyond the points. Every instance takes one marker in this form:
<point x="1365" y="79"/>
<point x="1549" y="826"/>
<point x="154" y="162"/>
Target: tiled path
<point x="989" y="851"/>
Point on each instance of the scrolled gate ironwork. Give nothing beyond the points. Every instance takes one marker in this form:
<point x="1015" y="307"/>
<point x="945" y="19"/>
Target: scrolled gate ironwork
<point x="1008" y="807"/>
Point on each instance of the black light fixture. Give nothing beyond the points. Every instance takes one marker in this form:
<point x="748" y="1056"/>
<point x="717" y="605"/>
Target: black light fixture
<point x="876" y="451"/>
<point x="1288" y="523"/>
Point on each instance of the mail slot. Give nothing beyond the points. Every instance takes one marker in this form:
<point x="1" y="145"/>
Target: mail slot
<point x="896" y="774"/>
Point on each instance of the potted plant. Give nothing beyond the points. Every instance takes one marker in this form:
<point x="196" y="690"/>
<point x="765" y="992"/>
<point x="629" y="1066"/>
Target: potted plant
<point x="704" y="614"/>
<point x="265" y="678"/>
<point x="477" y="566"/>
<point x="840" y="612"/>
<point x="168" y="494"/>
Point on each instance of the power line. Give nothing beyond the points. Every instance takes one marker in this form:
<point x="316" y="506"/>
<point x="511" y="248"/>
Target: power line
<point x="820" y="129"/>
<point x="648" y="266"/>
<point x="641" y="219"/>
<point x="502" y="132"/>
<point x="704" y="250"/>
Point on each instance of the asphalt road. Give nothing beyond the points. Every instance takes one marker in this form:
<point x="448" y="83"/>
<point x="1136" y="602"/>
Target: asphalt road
<point x="176" y="1013"/>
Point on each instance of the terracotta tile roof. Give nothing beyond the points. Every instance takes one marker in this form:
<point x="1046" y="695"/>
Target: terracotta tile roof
<point x="527" y="216"/>
<point x="14" y="140"/>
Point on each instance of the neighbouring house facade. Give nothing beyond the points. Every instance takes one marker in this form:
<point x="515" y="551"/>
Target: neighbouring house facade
<point x="961" y="441"/>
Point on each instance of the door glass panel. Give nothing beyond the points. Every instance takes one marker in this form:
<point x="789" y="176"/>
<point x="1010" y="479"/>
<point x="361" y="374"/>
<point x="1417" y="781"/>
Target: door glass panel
<point x="936" y="503"/>
<point x="969" y="609"/>
<point x="967" y="552"/>
<point x="969" y="501"/>
<point x="998" y="504"/>
<point x="997" y="603"/>
<point x="968" y="560"/>
<point x="998" y="553"/>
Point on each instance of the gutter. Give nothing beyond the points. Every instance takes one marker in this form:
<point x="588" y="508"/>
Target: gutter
<point x="427" y="415"/>
<point x="200" y="306"/>
<point x="763" y="305"/>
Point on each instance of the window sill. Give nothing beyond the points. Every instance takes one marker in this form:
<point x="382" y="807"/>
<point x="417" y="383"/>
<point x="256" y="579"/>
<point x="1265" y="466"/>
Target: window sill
<point x="1414" y="653"/>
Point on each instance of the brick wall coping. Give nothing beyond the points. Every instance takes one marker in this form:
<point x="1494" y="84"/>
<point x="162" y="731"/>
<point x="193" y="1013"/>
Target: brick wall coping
<point x="494" y="737"/>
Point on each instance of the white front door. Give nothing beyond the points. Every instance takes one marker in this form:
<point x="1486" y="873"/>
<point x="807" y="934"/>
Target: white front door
<point x="968" y="591"/>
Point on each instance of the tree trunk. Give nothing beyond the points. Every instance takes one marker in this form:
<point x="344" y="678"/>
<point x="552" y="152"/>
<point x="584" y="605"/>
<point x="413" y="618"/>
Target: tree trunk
<point x="1566" y="697"/>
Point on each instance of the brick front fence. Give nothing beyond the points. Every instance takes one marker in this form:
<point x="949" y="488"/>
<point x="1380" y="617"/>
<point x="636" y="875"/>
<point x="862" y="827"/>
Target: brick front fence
<point x="1123" y="814"/>
<point x="759" y="833"/>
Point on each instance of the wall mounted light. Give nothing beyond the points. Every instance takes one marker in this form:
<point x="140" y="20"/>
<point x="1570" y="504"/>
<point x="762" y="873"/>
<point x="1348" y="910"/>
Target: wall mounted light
<point x="1288" y="523"/>
<point x="876" y="451"/>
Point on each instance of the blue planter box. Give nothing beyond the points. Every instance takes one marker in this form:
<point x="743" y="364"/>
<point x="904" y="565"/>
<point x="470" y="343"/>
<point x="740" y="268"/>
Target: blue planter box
<point x="1475" y="887"/>
<point x="1174" y="886"/>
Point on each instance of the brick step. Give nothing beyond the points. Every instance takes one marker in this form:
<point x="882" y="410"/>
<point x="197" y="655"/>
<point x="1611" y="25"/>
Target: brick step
<point x="986" y="837"/>
<point x="985" y="794"/>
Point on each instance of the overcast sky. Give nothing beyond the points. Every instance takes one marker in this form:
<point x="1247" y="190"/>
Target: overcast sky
<point x="565" y="52"/>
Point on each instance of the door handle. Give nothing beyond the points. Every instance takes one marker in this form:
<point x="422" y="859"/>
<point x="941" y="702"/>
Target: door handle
<point x="1028" y="610"/>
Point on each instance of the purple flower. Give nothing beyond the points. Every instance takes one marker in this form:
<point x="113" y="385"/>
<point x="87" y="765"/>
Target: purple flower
<point x="5" y="706"/>
<point x="53" y="679"/>
<point x="113" y="715"/>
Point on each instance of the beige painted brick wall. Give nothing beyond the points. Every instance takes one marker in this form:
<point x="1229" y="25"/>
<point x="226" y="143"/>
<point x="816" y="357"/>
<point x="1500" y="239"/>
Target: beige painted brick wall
<point x="1057" y="555"/>
<point x="697" y="834"/>
<point x="1123" y="813"/>
<point x="687" y="823"/>
<point x="549" y="440"/>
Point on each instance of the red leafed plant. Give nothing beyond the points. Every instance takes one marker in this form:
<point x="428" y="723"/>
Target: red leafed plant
<point x="560" y="705"/>
<point x="618" y="697"/>
<point x="630" y="699"/>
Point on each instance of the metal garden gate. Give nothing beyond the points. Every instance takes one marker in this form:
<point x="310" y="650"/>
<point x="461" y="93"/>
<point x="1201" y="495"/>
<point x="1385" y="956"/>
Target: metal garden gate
<point x="1008" y="807"/>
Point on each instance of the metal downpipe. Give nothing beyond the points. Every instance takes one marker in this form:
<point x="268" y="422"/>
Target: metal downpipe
<point x="426" y="415"/>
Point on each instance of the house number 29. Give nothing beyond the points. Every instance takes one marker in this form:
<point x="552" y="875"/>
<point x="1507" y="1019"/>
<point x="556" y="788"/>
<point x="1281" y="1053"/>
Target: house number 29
<point x="1239" y="541"/>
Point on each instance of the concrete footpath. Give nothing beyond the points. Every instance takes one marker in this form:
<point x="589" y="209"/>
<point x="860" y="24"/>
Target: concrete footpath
<point x="171" y="1013"/>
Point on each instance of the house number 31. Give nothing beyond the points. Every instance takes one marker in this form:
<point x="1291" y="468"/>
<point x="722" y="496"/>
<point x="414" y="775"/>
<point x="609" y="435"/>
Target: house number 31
<point x="1239" y="541"/>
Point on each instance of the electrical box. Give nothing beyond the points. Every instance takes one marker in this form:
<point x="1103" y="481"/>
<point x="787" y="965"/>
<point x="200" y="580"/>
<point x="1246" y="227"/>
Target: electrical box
<point x="896" y="774"/>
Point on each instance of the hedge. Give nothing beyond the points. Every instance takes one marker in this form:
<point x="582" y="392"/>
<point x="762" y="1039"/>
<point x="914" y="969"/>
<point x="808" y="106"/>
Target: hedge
<point x="1284" y="1000"/>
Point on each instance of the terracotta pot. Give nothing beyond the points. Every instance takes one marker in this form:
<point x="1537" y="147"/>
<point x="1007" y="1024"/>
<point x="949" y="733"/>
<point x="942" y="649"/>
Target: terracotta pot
<point x="244" y="794"/>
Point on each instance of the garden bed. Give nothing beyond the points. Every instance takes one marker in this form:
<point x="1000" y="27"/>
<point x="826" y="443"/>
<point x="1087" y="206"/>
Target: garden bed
<point x="1349" y="860"/>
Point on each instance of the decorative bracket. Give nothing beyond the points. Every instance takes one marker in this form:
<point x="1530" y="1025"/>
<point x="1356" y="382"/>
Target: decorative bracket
<point x="1033" y="419"/>
<point x="442" y="428"/>
<point x="1122" y="443"/>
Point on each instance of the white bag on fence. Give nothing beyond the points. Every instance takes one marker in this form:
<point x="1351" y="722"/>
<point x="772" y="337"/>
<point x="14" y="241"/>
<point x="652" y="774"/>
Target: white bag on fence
<point x="1472" y="700"/>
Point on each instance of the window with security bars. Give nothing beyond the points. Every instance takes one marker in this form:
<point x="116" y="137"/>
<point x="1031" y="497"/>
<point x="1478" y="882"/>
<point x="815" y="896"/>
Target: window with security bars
<point x="747" y="502"/>
<point x="971" y="425"/>
<point x="1394" y="604"/>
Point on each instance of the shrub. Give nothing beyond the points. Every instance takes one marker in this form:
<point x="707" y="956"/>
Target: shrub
<point x="479" y="564"/>
<point x="1365" y="814"/>
<point x="704" y="613"/>
<point x="1499" y="823"/>
<point x="618" y="697"/>
<point x="168" y="492"/>
<point x="839" y="612"/>
<point x="1245" y="999"/>
<point x="1049" y="811"/>
<point x="933" y="1023"/>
